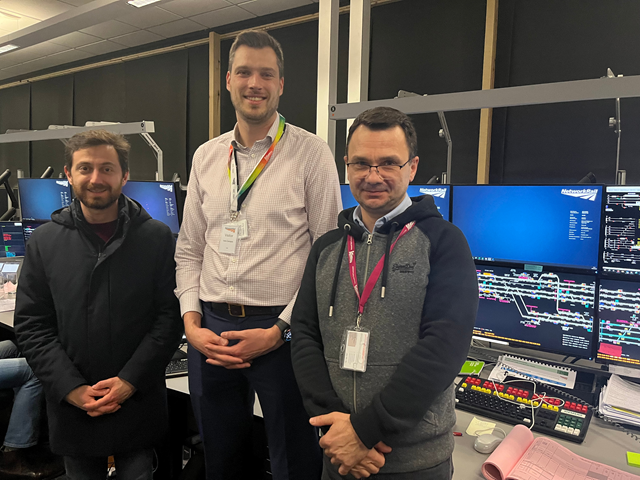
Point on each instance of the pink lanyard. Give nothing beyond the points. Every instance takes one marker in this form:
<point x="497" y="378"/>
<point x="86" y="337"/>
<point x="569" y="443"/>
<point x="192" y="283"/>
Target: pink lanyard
<point x="375" y="274"/>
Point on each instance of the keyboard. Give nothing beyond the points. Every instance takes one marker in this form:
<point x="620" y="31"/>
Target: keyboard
<point x="552" y="414"/>
<point x="176" y="368"/>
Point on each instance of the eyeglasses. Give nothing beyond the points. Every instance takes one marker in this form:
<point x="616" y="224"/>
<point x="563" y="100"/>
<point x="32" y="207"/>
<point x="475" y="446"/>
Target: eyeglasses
<point x="386" y="170"/>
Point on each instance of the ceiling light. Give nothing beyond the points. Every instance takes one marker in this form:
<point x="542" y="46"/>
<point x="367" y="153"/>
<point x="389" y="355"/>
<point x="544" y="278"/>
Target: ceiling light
<point x="141" y="3"/>
<point x="10" y="15"/>
<point x="7" y="48"/>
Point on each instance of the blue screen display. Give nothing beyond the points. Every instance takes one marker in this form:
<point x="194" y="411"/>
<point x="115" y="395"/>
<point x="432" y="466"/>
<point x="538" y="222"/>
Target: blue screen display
<point x="440" y="194"/>
<point x="158" y="199"/>
<point x="546" y="225"/>
<point x="40" y="197"/>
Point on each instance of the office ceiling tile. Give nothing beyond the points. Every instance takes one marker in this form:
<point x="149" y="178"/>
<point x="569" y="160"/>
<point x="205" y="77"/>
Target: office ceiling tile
<point x="75" y="39"/>
<point x="223" y="16"/>
<point x="137" y="38"/>
<point x="188" y="8"/>
<point x="149" y="17"/>
<point x="100" y="48"/>
<point x="181" y="27"/>
<point x="265" y="7"/>
<point x="76" y="3"/>
<point x="65" y="57"/>
<point x="111" y="28"/>
<point x="38" y="9"/>
<point x="27" y="54"/>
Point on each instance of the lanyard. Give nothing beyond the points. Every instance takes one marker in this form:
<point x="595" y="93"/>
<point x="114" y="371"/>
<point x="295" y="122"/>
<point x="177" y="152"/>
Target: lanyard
<point x="238" y="196"/>
<point x="375" y="274"/>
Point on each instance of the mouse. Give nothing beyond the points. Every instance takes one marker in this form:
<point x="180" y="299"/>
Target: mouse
<point x="486" y="443"/>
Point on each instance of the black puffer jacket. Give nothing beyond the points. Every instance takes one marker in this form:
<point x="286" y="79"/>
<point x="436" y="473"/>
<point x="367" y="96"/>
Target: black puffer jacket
<point x="87" y="311"/>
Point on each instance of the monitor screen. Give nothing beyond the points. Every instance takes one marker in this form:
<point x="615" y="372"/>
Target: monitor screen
<point x="547" y="311"/>
<point x="12" y="239"/>
<point x="40" y="197"/>
<point x="619" y="329"/>
<point x="158" y="199"/>
<point x="28" y="228"/>
<point x="542" y="225"/>
<point x="621" y="239"/>
<point x="10" y="270"/>
<point x="440" y="194"/>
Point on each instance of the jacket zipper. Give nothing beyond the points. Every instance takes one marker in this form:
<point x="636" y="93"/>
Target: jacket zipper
<point x="366" y="275"/>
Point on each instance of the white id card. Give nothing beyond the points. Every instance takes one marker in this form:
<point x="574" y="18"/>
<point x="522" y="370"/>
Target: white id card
<point x="229" y="239"/>
<point x="243" y="229"/>
<point x="354" y="349"/>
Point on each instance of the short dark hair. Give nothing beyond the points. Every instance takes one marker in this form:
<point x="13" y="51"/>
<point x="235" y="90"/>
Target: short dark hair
<point x="257" y="39"/>
<point x="384" y="118"/>
<point x="95" y="138"/>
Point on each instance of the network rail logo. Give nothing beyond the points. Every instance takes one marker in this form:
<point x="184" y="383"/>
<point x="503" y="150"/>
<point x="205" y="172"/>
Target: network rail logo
<point x="63" y="183"/>
<point x="585" y="193"/>
<point x="168" y="188"/>
<point x="434" y="192"/>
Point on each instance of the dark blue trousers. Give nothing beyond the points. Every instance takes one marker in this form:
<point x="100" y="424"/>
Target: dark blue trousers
<point x="223" y="405"/>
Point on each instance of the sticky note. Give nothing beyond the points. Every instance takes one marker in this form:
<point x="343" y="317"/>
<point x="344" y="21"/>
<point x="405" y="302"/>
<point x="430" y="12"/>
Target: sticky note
<point x="481" y="426"/>
<point x="471" y="368"/>
<point x="633" y="459"/>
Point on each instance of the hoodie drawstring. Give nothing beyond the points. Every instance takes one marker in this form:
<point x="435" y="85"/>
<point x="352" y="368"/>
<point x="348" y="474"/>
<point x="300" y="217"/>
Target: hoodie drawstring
<point x="334" y="287"/>
<point x="387" y="254"/>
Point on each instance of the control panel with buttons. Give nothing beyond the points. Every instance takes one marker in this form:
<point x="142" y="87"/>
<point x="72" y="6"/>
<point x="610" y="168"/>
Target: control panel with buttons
<point x="550" y="413"/>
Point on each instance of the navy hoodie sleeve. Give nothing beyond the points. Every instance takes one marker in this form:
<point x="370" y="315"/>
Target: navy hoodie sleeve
<point x="307" y="350"/>
<point x="446" y="328"/>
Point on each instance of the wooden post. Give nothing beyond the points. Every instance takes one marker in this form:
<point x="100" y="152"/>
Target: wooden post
<point x="488" y="75"/>
<point x="214" y="85"/>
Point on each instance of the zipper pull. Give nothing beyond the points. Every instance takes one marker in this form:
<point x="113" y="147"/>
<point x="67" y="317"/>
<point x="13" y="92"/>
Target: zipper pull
<point x="370" y="239"/>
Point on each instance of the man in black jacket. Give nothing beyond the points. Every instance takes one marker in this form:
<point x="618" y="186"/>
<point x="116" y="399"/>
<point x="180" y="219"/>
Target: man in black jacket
<point x="96" y="316"/>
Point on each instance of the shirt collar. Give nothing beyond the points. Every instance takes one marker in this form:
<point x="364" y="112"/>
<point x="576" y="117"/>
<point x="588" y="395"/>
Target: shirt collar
<point x="271" y="134"/>
<point x="406" y="203"/>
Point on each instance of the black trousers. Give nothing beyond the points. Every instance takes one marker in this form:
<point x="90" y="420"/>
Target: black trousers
<point x="223" y="404"/>
<point x="442" y="471"/>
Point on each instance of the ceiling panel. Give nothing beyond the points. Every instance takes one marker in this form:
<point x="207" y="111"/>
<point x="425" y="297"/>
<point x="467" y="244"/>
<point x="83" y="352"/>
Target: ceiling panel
<point x="100" y="48"/>
<point x="38" y="9"/>
<point x="223" y="16"/>
<point x="188" y="8"/>
<point x="181" y="27"/>
<point x="76" y="3"/>
<point x="30" y="53"/>
<point x="65" y="57"/>
<point x="75" y="39"/>
<point x="108" y="29"/>
<point x="137" y="38"/>
<point x="265" y="7"/>
<point x="149" y="17"/>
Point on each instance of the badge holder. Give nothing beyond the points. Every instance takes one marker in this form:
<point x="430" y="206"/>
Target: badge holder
<point x="354" y="349"/>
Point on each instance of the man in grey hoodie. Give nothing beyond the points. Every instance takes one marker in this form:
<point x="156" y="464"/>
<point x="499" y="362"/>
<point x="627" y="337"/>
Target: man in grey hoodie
<point x="379" y="332"/>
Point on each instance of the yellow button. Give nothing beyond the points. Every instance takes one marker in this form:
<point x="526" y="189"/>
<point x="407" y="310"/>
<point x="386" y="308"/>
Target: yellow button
<point x="464" y="385"/>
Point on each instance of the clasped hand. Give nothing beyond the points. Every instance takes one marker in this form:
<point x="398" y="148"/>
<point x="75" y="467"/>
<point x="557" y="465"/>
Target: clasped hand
<point x="106" y="396"/>
<point x="343" y="446"/>
<point x="252" y="343"/>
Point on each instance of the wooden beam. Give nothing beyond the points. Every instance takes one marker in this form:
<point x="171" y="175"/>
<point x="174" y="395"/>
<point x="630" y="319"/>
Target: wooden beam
<point x="214" y="85"/>
<point x="488" y="76"/>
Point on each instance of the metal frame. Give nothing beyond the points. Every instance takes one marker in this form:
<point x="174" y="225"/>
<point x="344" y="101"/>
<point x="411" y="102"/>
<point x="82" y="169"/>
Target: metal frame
<point x="142" y="128"/>
<point x="327" y="69"/>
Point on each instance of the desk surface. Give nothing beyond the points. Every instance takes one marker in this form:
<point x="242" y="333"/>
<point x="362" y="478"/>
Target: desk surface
<point x="6" y="319"/>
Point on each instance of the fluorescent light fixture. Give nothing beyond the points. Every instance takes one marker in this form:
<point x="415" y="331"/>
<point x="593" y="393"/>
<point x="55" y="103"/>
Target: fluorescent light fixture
<point x="141" y="3"/>
<point x="7" y="48"/>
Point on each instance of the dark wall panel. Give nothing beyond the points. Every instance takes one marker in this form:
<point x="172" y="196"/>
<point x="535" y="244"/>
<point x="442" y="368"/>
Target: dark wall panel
<point x="197" y="102"/>
<point x="431" y="48"/>
<point x="156" y="89"/>
<point x="548" y="41"/>
<point x="14" y="114"/>
<point x="99" y="95"/>
<point x="51" y="104"/>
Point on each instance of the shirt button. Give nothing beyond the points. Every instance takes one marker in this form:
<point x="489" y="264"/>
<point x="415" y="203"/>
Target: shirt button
<point x="233" y="260"/>
<point x="231" y="288"/>
<point x="253" y="155"/>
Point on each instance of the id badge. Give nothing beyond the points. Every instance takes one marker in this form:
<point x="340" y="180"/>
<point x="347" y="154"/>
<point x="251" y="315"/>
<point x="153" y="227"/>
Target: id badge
<point x="243" y="229"/>
<point x="354" y="349"/>
<point x="229" y="238"/>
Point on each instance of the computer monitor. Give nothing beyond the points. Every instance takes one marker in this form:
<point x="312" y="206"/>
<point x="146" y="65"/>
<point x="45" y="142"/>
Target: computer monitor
<point x="549" y="311"/>
<point x="557" y="226"/>
<point x="621" y="238"/>
<point x="40" y="197"/>
<point x="619" y="322"/>
<point x="10" y="269"/>
<point x="28" y="229"/>
<point x="12" y="239"/>
<point x="158" y="199"/>
<point x="440" y="194"/>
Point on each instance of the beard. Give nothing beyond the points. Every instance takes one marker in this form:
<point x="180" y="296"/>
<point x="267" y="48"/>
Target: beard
<point x="254" y="115"/>
<point x="83" y="194"/>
